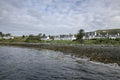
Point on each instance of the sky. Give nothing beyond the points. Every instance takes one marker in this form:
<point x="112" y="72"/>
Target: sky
<point x="23" y="17"/>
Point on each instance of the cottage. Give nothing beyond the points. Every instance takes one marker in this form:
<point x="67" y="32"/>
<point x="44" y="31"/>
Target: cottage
<point x="65" y="37"/>
<point x="45" y="38"/>
<point x="118" y="35"/>
<point x="73" y="37"/>
<point x="95" y="35"/>
<point x="90" y="35"/>
<point x="8" y="37"/>
<point x="56" y="37"/>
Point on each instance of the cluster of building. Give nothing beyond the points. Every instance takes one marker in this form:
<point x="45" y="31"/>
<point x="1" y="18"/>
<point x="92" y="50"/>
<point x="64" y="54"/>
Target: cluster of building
<point x="88" y="35"/>
<point x="60" y="37"/>
<point x="95" y="35"/>
<point x="6" y="37"/>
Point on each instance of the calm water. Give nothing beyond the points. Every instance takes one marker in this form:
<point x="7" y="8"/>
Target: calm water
<point x="29" y="64"/>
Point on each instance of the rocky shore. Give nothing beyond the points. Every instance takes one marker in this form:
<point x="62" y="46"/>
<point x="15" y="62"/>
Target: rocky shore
<point x="98" y="53"/>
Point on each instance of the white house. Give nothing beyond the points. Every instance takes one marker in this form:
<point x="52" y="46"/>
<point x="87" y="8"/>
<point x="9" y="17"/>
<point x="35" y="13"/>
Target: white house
<point x="118" y="35"/>
<point x="90" y="35"/>
<point x="8" y="37"/>
<point x="56" y="37"/>
<point x="114" y="36"/>
<point x="46" y="38"/>
<point x="73" y="37"/>
<point x="65" y="37"/>
<point x="94" y="35"/>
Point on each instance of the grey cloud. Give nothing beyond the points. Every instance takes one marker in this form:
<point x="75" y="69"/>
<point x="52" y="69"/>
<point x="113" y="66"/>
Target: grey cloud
<point x="58" y="16"/>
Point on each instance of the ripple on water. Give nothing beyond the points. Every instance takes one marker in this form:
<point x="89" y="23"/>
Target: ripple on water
<point x="29" y="64"/>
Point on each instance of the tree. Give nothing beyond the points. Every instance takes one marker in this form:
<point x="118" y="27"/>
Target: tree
<point x="1" y="34"/>
<point x="51" y="37"/>
<point x="39" y="36"/>
<point x="80" y="35"/>
<point x="23" y="36"/>
<point x="8" y="34"/>
<point x="32" y="38"/>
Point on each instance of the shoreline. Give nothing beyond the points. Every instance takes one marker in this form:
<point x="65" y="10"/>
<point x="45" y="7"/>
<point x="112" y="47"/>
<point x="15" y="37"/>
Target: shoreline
<point x="97" y="53"/>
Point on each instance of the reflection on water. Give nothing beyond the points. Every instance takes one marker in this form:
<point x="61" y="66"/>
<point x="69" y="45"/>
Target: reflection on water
<point x="29" y="64"/>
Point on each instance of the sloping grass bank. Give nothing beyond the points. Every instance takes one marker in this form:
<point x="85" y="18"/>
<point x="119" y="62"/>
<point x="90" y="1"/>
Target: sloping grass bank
<point x="99" y="53"/>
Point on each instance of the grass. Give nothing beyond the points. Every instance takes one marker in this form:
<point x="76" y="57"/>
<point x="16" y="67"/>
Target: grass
<point x="63" y="41"/>
<point x="89" y="42"/>
<point x="16" y="39"/>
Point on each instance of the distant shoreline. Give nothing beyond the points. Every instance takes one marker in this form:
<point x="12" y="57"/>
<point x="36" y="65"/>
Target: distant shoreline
<point x="98" y="53"/>
<point x="61" y="44"/>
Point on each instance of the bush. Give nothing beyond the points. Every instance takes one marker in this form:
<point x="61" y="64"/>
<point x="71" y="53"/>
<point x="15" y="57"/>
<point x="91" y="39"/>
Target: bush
<point x="32" y="38"/>
<point x="117" y="39"/>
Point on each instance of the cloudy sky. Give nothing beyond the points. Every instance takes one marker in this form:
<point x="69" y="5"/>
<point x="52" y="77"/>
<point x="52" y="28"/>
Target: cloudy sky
<point x="58" y="16"/>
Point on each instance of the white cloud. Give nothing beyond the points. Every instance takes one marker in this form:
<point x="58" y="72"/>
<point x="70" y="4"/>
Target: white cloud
<point x="58" y="16"/>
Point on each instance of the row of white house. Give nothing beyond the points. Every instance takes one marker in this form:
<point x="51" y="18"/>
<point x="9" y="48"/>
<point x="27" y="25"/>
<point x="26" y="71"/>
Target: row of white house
<point x="60" y="37"/>
<point x="65" y="37"/>
<point x="88" y="35"/>
<point x="94" y="35"/>
<point x="7" y="37"/>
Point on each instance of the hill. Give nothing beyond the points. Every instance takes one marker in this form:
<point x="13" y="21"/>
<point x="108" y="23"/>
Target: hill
<point x="109" y="31"/>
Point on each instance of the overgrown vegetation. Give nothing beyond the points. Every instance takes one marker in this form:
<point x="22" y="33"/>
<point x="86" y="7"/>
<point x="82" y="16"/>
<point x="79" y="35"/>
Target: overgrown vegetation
<point x="110" y="31"/>
<point x="79" y="38"/>
<point x="106" y="41"/>
<point x="33" y="38"/>
<point x="36" y="39"/>
<point x="80" y="35"/>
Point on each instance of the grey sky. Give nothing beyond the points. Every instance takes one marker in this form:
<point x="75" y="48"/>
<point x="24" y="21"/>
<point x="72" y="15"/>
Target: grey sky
<point x="58" y="16"/>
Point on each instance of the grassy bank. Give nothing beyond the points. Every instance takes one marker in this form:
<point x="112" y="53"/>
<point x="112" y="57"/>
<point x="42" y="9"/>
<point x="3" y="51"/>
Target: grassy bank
<point x="105" y="41"/>
<point x="99" y="53"/>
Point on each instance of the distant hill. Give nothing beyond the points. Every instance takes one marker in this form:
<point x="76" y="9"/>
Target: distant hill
<point x="109" y="31"/>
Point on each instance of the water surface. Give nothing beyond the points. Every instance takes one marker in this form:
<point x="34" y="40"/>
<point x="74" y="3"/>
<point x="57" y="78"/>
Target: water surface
<point x="30" y="64"/>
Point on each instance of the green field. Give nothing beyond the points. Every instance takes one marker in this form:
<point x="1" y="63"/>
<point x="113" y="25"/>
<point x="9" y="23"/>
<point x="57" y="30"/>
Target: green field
<point x="92" y="41"/>
<point x="109" y="31"/>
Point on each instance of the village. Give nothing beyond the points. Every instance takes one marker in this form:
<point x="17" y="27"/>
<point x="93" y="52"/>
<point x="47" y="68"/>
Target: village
<point x="87" y="36"/>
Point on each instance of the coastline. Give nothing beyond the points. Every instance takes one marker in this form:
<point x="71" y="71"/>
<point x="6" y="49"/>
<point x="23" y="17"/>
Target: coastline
<point x="97" y="53"/>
